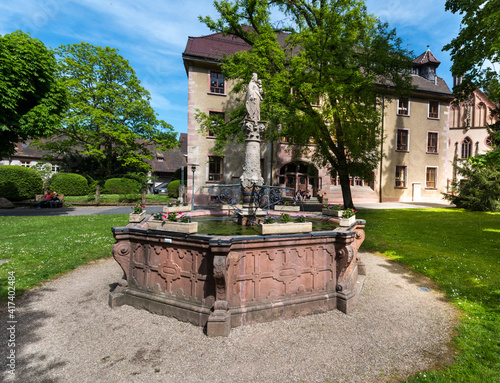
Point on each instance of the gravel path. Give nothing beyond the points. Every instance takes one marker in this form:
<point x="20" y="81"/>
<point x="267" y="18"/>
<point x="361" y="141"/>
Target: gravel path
<point x="67" y="333"/>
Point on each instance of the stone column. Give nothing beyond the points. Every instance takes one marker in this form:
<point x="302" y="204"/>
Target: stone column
<point x="252" y="174"/>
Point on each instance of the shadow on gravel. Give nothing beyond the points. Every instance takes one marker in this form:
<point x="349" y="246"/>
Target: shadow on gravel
<point x="27" y="368"/>
<point x="412" y="277"/>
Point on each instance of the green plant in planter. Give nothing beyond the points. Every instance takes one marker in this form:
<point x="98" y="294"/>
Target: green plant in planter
<point x="138" y="208"/>
<point x="172" y="217"/>
<point x="159" y="216"/>
<point x="285" y="218"/>
<point x="177" y="203"/>
<point x="185" y="204"/>
<point x="300" y="218"/>
<point x="269" y="220"/>
<point x="348" y="213"/>
<point x="185" y="218"/>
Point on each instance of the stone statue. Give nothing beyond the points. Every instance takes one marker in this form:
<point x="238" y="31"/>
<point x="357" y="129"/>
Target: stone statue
<point x="254" y="97"/>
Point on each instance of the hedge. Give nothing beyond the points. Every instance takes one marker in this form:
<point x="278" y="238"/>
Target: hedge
<point x="121" y="186"/>
<point x="18" y="183"/>
<point x="173" y="189"/>
<point x="69" y="184"/>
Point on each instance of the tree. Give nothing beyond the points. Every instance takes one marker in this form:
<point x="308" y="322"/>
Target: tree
<point x="32" y="99"/>
<point x="110" y="121"/>
<point x="475" y="52"/>
<point x="476" y="49"/>
<point x="325" y="52"/>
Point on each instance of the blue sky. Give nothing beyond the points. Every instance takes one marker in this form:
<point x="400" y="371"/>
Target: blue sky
<point x="152" y="35"/>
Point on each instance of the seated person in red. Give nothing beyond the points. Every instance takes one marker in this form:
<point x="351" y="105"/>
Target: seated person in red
<point x="45" y="200"/>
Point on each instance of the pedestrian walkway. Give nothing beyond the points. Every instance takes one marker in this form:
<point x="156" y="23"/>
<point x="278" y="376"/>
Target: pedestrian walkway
<point x="97" y="210"/>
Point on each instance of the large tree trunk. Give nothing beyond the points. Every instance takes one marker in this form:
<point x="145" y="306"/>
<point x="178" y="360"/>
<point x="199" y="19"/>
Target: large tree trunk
<point x="346" y="188"/>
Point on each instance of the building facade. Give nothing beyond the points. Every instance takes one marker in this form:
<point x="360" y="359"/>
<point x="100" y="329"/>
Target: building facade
<point x="415" y="130"/>
<point x="468" y="133"/>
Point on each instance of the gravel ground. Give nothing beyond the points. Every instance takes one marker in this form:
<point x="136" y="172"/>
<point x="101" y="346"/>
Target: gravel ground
<point x="67" y="333"/>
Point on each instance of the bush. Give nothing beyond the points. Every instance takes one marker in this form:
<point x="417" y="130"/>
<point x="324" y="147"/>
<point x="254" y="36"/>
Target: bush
<point x="18" y="183"/>
<point x="173" y="189"/>
<point x="121" y="186"/>
<point x="69" y="184"/>
<point x="480" y="191"/>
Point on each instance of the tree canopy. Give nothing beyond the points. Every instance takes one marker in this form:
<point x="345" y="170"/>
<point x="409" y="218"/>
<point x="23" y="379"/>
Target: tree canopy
<point x="32" y="99"/>
<point x="476" y="50"/>
<point x="321" y="68"/>
<point x="110" y="121"/>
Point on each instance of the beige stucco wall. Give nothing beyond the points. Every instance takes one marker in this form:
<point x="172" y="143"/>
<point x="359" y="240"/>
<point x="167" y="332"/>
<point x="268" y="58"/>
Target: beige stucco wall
<point x="416" y="159"/>
<point x="274" y="157"/>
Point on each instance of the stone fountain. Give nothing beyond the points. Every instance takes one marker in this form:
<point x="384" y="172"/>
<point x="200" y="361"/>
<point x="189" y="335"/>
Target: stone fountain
<point x="226" y="281"/>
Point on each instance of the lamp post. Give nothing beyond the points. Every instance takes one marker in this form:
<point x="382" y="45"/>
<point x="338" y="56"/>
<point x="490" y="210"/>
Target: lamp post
<point x="193" y="169"/>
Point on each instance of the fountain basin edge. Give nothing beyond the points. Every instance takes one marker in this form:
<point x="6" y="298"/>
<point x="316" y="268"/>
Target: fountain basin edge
<point x="227" y="281"/>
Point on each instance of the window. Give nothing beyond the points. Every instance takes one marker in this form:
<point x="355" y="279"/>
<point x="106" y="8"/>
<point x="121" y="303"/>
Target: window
<point x="216" y="83"/>
<point x="430" y="178"/>
<point x="466" y="148"/>
<point x="432" y="142"/>
<point x="55" y="168"/>
<point x="400" y="177"/>
<point x="216" y="119"/>
<point x="25" y="164"/>
<point x="403" y="107"/>
<point x="489" y="141"/>
<point x="214" y="169"/>
<point x="402" y="140"/>
<point x="433" y="109"/>
<point x="160" y="159"/>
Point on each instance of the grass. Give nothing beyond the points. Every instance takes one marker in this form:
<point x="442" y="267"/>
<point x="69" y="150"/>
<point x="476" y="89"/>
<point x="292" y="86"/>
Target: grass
<point x="117" y="198"/>
<point x="41" y="248"/>
<point x="459" y="250"/>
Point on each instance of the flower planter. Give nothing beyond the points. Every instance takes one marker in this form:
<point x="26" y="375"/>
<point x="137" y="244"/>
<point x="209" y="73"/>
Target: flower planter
<point x="177" y="227"/>
<point x="286" y="208"/>
<point x="333" y="213"/>
<point x="136" y="217"/>
<point x="285" y="228"/>
<point x="347" y="221"/>
<point x="180" y="209"/>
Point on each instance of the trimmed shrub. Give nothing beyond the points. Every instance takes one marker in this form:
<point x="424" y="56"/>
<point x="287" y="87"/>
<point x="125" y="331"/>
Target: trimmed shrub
<point x="18" y="183"/>
<point x="69" y="184"/>
<point x="121" y="186"/>
<point x="173" y="188"/>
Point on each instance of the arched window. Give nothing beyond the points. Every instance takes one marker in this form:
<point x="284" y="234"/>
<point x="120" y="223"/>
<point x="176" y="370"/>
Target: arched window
<point x="455" y="112"/>
<point x="466" y="148"/>
<point x="481" y="115"/>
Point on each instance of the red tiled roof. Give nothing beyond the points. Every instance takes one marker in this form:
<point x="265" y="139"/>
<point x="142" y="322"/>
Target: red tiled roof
<point x="214" y="46"/>
<point x="425" y="58"/>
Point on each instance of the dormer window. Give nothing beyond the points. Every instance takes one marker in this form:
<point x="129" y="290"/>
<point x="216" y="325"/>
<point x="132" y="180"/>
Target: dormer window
<point x="160" y="159"/>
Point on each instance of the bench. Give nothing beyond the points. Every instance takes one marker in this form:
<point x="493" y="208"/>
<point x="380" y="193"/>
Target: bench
<point x="39" y="197"/>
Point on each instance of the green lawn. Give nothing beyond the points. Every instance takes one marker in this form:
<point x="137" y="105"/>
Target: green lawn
<point x="459" y="250"/>
<point x="41" y="248"/>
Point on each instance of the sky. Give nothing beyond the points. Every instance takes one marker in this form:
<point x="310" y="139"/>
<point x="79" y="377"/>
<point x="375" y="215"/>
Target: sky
<point x="152" y="35"/>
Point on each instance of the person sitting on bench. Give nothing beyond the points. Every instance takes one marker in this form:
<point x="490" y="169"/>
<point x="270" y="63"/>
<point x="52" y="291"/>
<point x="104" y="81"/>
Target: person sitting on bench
<point x="54" y="200"/>
<point x="45" y="200"/>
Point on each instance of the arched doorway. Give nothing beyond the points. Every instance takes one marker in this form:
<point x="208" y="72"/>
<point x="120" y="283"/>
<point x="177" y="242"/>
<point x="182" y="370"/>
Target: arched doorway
<point x="299" y="175"/>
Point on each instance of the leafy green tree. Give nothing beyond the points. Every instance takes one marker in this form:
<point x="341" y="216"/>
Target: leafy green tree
<point x="476" y="49"/>
<point x="32" y="99"/>
<point x="110" y="120"/>
<point x="321" y="68"/>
